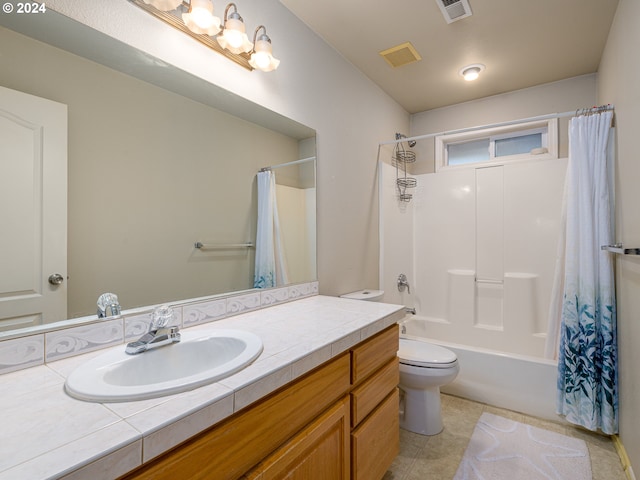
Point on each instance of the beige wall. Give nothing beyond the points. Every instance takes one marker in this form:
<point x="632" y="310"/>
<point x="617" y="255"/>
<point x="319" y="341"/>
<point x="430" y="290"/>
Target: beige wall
<point x="556" y="97"/>
<point x="150" y="173"/>
<point x="297" y="234"/>
<point x="619" y="84"/>
<point x="315" y="86"/>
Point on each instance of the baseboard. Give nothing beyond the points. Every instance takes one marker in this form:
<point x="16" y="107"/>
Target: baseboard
<point x="624" y="458"/>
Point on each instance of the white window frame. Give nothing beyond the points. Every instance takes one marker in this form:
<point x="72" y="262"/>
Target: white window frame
<point x="497" y="133"/>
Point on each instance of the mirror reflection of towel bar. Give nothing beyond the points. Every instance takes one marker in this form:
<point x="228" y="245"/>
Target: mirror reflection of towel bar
<point x="620" y="250"/>
<point x="489" y="281"/>
<point x="211" y="246"/>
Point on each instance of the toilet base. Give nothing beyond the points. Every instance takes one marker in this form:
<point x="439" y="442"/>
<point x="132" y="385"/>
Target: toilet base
<point x="422" y="411"/>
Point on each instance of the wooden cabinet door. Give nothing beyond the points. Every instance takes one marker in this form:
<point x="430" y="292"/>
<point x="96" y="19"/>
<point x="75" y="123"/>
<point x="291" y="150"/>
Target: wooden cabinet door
<point x="232" y="448"/>
<point x="376" y="442"/>
<point x="319" y="452"/>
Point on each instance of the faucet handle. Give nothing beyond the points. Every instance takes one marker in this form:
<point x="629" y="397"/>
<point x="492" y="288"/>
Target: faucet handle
<point x="402" y="283"/>
<point x="162" y="317"/>
<point x="108" y="305"/>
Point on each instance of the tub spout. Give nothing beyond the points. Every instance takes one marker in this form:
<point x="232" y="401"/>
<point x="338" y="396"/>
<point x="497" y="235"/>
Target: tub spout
<point x="412" y="311"/>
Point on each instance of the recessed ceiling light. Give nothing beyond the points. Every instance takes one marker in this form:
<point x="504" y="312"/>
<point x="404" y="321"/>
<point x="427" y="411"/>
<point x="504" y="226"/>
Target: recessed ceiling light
<point x="471" y="72"/>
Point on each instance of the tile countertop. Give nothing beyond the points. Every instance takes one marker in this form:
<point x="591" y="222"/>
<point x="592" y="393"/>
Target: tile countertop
<point x="46" y="433"/>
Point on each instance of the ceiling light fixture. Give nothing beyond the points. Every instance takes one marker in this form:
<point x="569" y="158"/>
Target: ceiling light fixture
<point x="472" y="72"/>
<point x="229" y="38"/>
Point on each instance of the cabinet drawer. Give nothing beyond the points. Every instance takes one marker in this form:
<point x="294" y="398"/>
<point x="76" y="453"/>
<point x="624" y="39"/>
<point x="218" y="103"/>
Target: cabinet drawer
<point x="376" y="442"/>
<point x="370" y="393"/>
<point x="370" y="355"/>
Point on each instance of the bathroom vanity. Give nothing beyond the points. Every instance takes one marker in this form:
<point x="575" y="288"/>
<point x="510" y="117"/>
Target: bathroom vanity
<point x="339" y="421"/>
<point x="320" y="402"/>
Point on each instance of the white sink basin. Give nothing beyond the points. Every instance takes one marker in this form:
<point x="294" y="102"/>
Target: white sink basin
<point x="201" y="357"/>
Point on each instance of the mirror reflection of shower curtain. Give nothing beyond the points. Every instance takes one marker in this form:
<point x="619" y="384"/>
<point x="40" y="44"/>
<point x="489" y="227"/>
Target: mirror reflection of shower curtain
<point x="270" y="266"/>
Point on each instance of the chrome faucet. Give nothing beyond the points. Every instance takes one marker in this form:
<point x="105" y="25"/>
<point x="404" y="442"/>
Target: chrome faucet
<point x="108" y="305"/>
<point x="160" y="332"/>
<point x="402" y="283"/>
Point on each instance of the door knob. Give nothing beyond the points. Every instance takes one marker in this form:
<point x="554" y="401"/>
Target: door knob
<point x="56" y="279"/>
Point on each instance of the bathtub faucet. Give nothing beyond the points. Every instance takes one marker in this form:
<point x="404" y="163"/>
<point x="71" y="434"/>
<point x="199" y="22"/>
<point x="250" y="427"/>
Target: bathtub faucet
<point x="402" y="283"/>
<point x="412" y="311"/>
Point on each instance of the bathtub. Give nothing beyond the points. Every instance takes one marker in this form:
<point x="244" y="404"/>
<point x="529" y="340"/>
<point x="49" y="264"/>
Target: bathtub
<point x="521" y="383"/>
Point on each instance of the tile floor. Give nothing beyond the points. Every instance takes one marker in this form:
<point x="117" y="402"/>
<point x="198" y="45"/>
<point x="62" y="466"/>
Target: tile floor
<point x="437" y="457"/>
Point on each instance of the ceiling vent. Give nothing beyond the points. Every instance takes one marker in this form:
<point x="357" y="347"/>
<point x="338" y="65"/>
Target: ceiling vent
<point x="401" y="55"/>
<point x="454" y="10"/>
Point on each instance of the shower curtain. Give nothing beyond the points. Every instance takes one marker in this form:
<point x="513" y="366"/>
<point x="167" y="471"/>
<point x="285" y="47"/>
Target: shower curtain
<point x="587" y="349"/>
<point x="270" y="265"/>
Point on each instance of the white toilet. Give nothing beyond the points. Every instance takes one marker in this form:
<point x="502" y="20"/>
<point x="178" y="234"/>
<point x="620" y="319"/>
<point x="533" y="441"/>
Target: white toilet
<point x="424" y="368"/>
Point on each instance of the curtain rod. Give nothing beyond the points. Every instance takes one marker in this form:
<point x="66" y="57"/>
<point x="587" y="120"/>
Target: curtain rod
<point x="573" y="113"/>
<point x="288" y="164"/>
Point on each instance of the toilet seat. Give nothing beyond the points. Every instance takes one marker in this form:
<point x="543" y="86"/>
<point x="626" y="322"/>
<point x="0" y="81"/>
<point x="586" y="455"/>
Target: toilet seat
<point x="424" y="354"/>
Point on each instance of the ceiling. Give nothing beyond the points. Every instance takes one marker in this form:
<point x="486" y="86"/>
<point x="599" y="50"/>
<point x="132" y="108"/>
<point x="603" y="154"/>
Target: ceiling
<point x="522" y="43"/>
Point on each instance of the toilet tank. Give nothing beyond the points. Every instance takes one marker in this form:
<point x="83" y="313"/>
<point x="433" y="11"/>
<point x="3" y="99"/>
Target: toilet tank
<point x="368" y="295"/>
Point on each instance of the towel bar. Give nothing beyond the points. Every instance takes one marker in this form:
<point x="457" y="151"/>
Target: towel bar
<point x="209" y="246"/>
<point x="620" y="249"/>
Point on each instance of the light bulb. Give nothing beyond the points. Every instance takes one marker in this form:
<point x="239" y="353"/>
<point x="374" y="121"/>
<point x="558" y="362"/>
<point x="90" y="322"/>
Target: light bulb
<point x="471" y="74"/>
<point x="262" y="58"/>
<point x="200" y="18"/>
<point x="233" y="37"/>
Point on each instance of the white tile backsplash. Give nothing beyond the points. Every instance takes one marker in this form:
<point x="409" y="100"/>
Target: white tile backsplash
<point x="25" y="352"/>
<point x="204" y="312"/>
<point x="274" y="296"/>
<point x="73" y="341"/>
<point x="243" y="303"/>
<point x="21" y="353"/>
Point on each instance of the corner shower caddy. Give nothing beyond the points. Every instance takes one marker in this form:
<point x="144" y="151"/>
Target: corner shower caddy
<point x="401" y="157"/>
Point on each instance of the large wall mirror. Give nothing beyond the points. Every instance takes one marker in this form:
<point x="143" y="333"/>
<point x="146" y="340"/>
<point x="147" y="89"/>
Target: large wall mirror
<point x="157" y="161"/>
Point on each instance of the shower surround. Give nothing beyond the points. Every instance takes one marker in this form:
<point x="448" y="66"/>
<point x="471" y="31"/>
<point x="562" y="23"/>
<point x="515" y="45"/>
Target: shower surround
<point x="478" y="245"/>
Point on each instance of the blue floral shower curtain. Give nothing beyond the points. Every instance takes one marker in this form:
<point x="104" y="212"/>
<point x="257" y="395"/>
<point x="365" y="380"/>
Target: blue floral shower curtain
<point x="587" y="356"/>
<point x="270" y="265"/>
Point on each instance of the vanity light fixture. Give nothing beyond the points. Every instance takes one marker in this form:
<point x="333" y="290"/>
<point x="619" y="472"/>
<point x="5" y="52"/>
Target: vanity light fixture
<point x="200" y="19"/>
<point x="229" y="38"/>
<point x="472" y="72"/>
<point x="234" y="37"/>
<point x="262" y="57"/>
<point x="164" y="5"/>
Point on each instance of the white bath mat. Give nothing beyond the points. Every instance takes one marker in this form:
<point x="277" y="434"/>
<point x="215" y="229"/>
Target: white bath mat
<point x="502" y="449"/>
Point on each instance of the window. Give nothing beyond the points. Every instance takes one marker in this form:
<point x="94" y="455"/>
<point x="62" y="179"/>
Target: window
<point x="498" y="145"/>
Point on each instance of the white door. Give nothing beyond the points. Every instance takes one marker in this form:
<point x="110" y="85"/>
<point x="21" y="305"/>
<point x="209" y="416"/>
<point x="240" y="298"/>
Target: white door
<point x="33" y="210"/>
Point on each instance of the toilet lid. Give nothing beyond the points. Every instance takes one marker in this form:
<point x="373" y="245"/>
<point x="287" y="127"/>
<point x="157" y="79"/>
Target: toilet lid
<point x="424" y="354"/>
